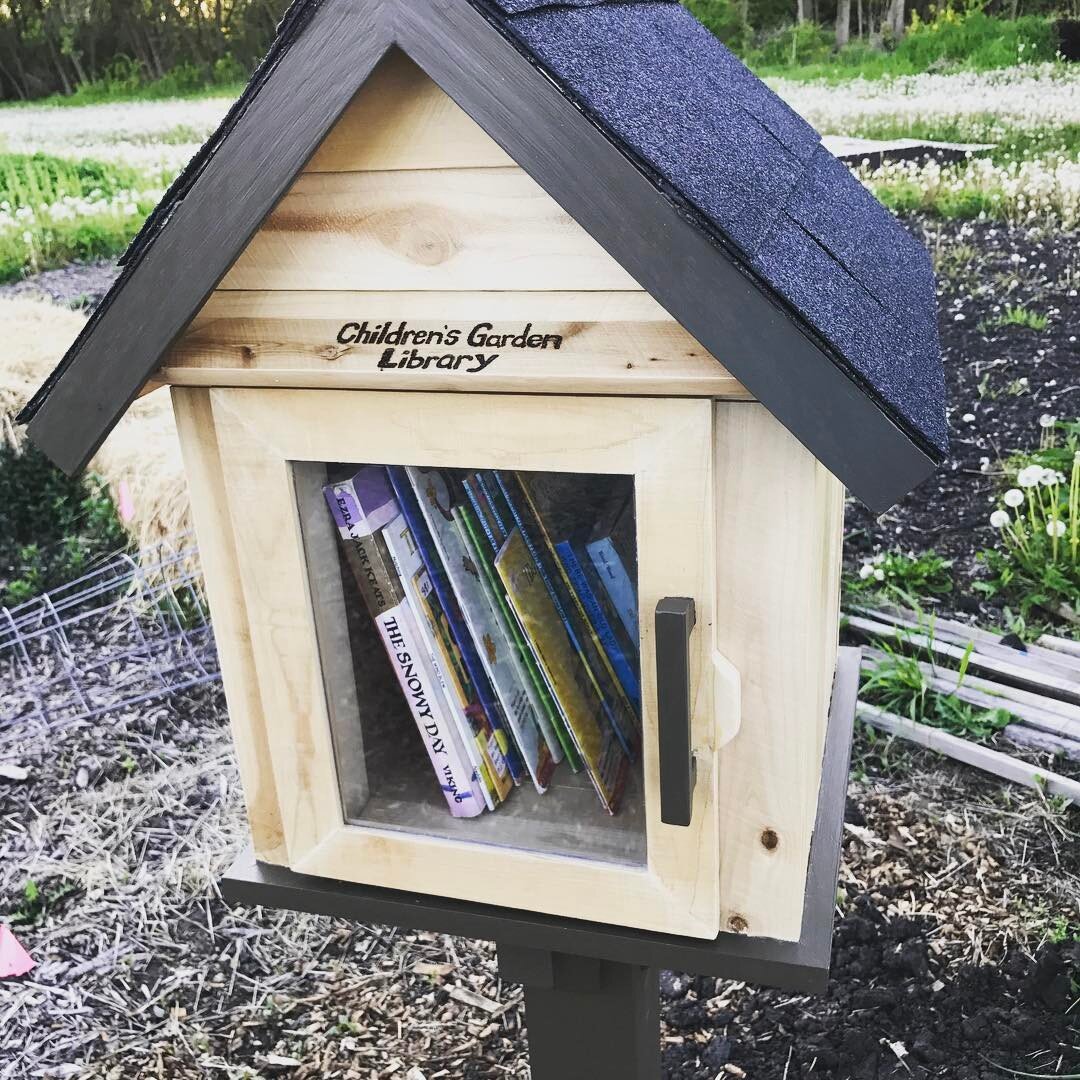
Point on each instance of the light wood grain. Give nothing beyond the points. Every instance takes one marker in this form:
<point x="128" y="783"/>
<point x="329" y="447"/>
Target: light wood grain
<point x="664" y="443"/>
<point x="779" y="518"/>
<point x="609" y="343"/>
<point x="401" y="120"/>
<point x="209" y="507"/>
<point x="456" y="229"/>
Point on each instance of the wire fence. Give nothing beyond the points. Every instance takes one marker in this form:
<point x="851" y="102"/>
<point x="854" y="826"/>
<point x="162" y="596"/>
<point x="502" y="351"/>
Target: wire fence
<point x="129" y="632"/>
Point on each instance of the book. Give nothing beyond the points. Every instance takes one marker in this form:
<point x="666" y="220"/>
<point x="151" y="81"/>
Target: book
<point x="616" y="582"/>
<point x="478" y="699"/>
<point x="623" y="666"/>
<point x="595" y="740"/>
<point x="484" y="623"/>
<point x="617" y="707"/>
<point x="552" y="718"/>
<point x="384" y="598"/>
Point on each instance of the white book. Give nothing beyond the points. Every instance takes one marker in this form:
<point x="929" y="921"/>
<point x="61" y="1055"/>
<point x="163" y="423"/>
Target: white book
<point x="394" y="620"/>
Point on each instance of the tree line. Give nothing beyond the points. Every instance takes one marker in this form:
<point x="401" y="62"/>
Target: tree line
<point x="59" y="46"/>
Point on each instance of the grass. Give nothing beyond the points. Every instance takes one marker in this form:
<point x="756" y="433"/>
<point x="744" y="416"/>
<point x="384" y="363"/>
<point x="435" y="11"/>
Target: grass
<point x="1023" y="317"/>
<point x="951" y="42"/>
<point x="899" y="686"/>
<point x="54" y="211"/>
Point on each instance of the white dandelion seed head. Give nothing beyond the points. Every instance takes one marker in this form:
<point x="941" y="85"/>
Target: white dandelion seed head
<point x="1000" y="518"/>
<point x="1047" y="421"/>
<point x="1029" y="476"/>
<point x="1055" y="528"/>
<point x="1014" y="497"/>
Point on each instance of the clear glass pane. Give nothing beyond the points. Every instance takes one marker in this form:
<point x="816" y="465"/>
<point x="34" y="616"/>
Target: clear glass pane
<point x="480" y="649"/>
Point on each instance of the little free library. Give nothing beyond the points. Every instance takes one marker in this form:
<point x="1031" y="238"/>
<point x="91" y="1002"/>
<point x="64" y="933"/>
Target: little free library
<point x="521" y="353"/>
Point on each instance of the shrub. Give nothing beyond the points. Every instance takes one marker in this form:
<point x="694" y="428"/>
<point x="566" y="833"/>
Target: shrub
<point x="52" y="527"/>
<point x="724" y="20"/>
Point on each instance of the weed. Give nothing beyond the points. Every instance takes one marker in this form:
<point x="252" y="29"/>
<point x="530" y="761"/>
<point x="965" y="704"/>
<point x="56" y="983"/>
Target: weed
<point x="37" y="901"/>
<point x="1020" y="316"/>
<point x="907" y="576"/>
<point x="1036" y="564"/>
<point x="899" y="685"/>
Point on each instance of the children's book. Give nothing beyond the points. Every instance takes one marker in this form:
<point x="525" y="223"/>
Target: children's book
<point x="604" y="759"/>
<point x="614" y="701"/>
<point x="385" y="600"/>
<point x="435" y="494"/>
<point x="552" y="718"/>
<point x="482" y="704"/>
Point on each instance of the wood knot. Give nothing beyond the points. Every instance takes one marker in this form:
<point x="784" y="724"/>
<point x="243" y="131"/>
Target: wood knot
<point x="770" y="840"/>
<point x="737" y="924"/>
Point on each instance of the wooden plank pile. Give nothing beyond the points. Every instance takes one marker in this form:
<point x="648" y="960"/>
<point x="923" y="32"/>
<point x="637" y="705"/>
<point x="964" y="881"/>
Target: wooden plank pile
<point x="1039" y="684"/>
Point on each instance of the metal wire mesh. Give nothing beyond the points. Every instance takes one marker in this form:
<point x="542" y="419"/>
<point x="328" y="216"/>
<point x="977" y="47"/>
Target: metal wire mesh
<point x="126" y="633"/>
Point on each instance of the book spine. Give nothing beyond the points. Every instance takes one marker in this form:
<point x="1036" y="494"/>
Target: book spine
<point x="383" y="596"/>
<point x="489" y="638"/>
<point x="478" y="502"/>
<point x="622" y="667"/>
<point x="616" y="581"/>
<point x="552" y="720"/>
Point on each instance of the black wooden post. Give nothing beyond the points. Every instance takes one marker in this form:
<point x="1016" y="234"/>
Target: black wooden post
<point x="587" y="1019"/>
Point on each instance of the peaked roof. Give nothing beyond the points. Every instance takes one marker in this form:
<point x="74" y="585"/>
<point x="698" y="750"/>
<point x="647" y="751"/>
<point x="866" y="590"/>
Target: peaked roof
<point x="709" y="189"/>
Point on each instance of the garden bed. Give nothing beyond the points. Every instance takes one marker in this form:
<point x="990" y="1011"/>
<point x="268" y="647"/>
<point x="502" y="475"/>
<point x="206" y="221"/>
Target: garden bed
<point x="953" y="956"/>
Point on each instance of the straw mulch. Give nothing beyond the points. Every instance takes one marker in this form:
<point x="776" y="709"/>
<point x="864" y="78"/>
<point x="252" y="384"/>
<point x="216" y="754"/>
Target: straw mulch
<point x="140" y="460"/>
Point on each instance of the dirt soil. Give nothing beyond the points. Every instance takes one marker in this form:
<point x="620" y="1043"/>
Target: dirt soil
<point x="953" y="957"/>
<point x="1000" y="379"/>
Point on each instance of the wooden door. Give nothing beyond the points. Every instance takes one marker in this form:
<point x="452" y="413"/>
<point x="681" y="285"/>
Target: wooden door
<point x="559" y="852"/>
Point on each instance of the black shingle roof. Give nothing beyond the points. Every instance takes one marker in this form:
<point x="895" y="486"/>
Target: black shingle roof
<point x="720" y="139"/>
<point x="725" y="154"/>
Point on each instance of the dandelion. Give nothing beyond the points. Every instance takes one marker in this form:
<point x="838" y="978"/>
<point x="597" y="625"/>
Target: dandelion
<point x="879" y="574"/>
<point x="1047" y="421"/>
<point x="1055" y="528"/>
<point x="999" y="519"/>
<point x="1014" y="497"/>
<point x="866" y="570"/>
<point x="1029" y="476"/>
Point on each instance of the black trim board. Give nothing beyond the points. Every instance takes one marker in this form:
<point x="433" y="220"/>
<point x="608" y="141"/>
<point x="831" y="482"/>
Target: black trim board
<point x="801" y="966"/>
<point x="688" y="271"/>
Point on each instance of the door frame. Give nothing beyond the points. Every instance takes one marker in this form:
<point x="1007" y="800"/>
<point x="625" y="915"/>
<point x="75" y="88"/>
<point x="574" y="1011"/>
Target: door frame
<point x="666" y="444"/>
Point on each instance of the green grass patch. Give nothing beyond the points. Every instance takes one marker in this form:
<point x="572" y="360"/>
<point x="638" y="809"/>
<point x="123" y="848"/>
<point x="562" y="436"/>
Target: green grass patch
<point x="31" y="179"/>
<point x="898" y="685"/>
<point x="54" y="211"/>
<point x="951" y="42"/>
<point x="897" y="575"/>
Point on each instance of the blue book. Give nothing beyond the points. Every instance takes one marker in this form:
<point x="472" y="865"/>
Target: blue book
<point x="594" y="610"/>
<point x="410" y="508"/>
<point x="616" y="582"/>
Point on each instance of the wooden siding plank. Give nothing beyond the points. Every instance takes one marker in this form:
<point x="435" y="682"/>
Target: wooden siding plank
<point x="593" y="343"/>
<point x="779" y="517"/>
<point x="402" y="120"/>
<point x="455" y="229"/>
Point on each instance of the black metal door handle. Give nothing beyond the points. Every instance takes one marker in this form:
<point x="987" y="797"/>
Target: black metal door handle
<point x="675" y="620"/>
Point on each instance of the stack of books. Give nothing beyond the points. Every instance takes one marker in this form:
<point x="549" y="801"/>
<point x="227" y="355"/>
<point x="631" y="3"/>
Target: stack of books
<point x="514" y="645"/>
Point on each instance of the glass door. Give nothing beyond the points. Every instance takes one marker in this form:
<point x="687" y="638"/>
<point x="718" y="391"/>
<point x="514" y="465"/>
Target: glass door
<point x="452" y="618"/>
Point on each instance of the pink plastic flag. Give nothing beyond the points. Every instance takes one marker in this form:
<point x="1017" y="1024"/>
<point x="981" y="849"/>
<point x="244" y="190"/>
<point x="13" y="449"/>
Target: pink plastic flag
<point x="14" y="959"/>
<point x="126" y="502"/>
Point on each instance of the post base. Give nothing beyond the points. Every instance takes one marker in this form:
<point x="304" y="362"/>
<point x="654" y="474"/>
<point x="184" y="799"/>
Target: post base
<point x="587" y="1019"/>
